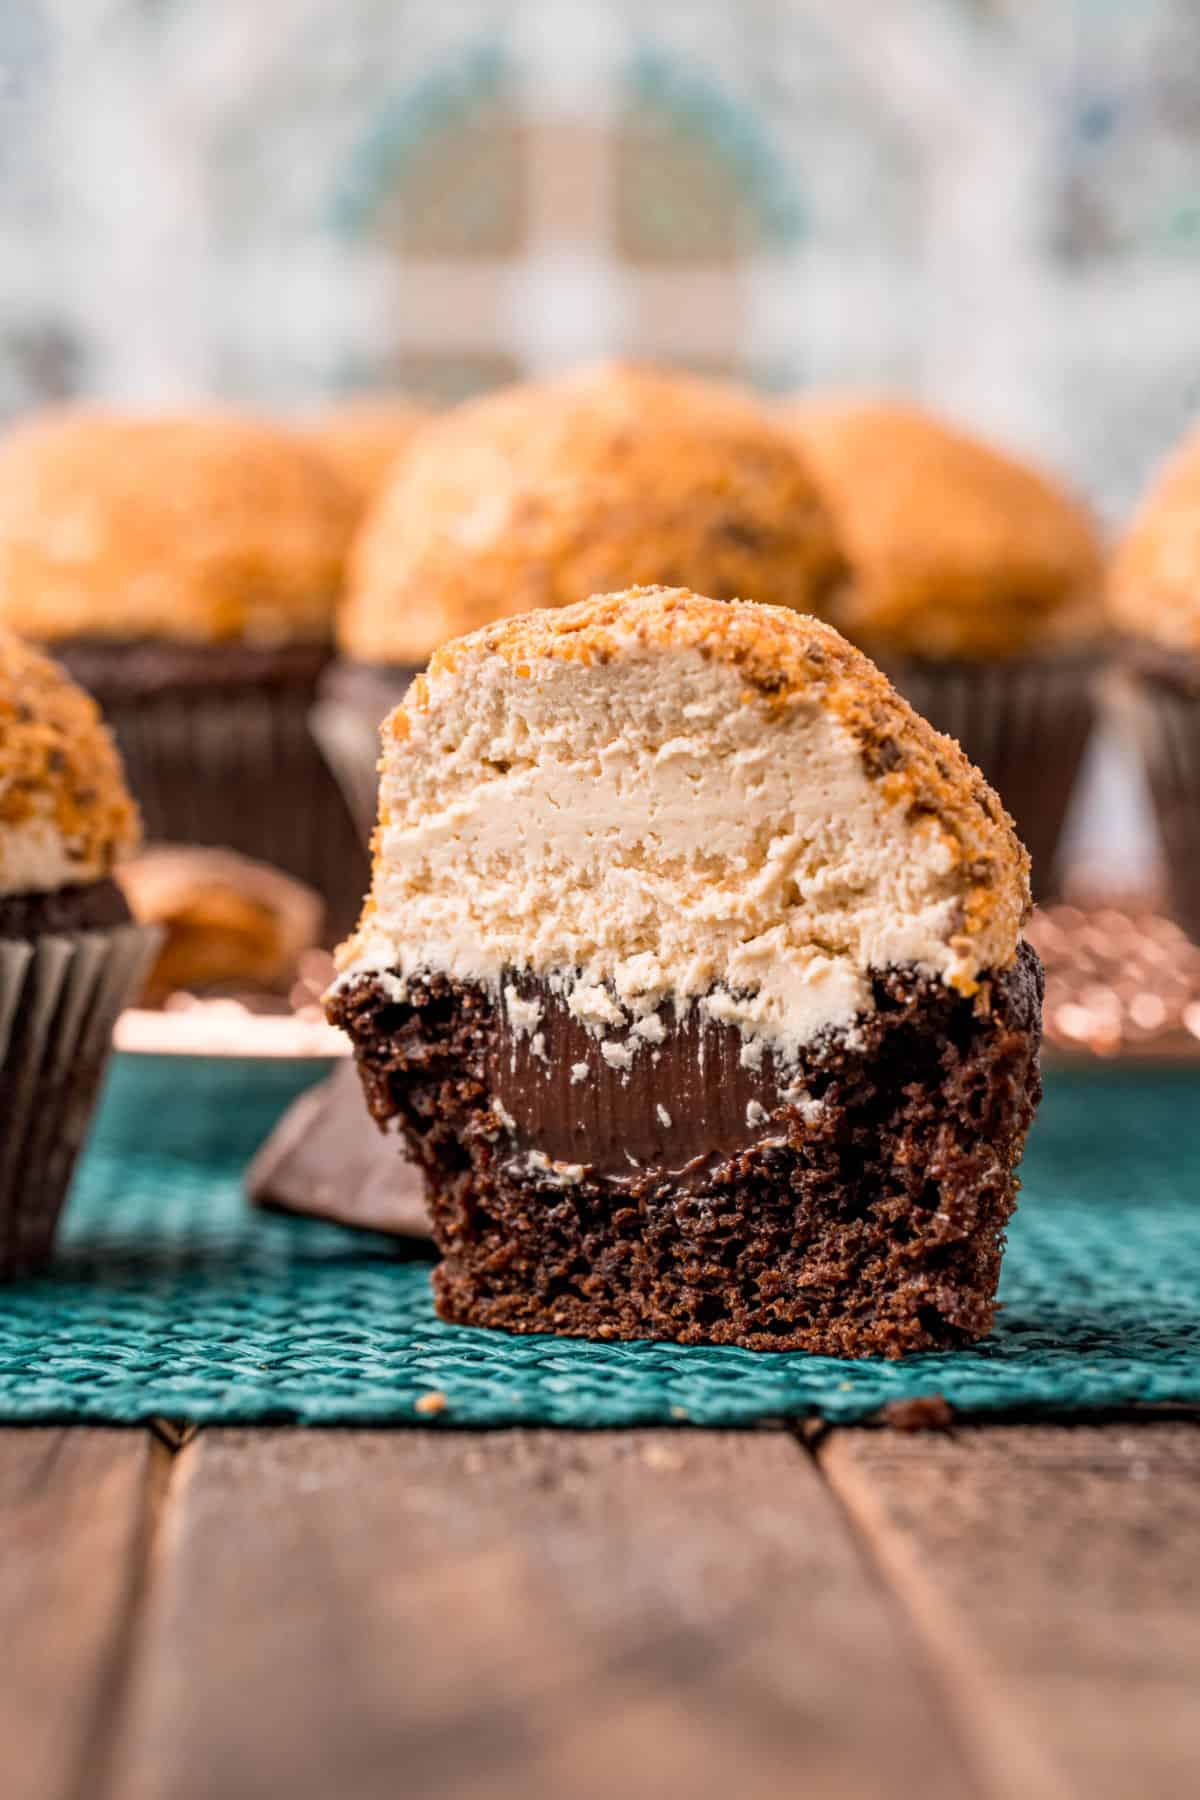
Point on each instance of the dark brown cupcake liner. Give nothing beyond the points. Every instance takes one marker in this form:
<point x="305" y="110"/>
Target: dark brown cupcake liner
<point x="1163" y="716"/>
<point x="241" y="770"/>
<point x="350" y="746"/>
<point x="1026" y="725"/>
<point x="352" y="705"/>
<point x="59" y="1001"/>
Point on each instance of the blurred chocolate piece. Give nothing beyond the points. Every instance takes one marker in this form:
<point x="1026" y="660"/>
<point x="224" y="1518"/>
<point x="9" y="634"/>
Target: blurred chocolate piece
<point x="686" y="1115"/>
<point x="231" y="923"/>
<point x="327" y="1159"/>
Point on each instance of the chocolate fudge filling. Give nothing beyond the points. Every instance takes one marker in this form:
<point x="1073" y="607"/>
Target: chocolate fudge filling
<point x="116" y="668"/>
<point x="324" y="1161"/>
<point x="678" y="1101"/>
<point x="862" y="1213"/>
<point x="92" y="906"/>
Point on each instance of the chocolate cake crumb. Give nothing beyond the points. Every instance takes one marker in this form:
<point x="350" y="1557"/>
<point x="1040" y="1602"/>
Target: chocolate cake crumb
<point x="922" y="1412"/>
<point x="872" y="1225"/>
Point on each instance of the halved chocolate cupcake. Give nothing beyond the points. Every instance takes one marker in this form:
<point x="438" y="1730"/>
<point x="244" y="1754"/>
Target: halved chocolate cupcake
<point x="543" y="494"/>
<point x="693" y="975"/>
<point x="185" y="571"/>
<point x="70" y="957"/>
<point x="976" y="583"/>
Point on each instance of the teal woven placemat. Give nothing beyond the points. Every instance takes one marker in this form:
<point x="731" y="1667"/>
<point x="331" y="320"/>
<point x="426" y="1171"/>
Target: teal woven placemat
<point x="170" y="1297"/>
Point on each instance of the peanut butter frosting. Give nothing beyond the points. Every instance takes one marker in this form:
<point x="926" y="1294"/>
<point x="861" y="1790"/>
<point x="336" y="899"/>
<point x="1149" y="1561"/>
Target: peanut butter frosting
<point x="955" y="549"/>
<point x="66" y="817"/>
<point x="364" y="440"/>
<point x="1154" y="586"/>
<point x="654" y="798"/>
<point x="204" y="528"/>
<point x="539" y="495"/>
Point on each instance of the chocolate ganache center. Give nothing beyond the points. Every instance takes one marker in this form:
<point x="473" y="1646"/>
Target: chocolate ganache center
<point x="673" y="1093"/>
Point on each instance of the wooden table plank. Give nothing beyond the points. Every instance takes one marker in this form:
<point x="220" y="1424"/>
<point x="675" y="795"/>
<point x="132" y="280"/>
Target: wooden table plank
<point x="76" y="1509"/>
<point x="1055" y="1574"/>
<point x="521" y="1614"/>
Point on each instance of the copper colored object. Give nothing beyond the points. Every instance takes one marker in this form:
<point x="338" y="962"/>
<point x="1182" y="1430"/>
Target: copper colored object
<point x="1120" y="982"/>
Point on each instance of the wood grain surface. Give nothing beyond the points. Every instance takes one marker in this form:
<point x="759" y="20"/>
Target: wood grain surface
<point x="1054" y="1573"/>
<point x="982" y="1612"/>
<point x="526" y="1614"/>
<point x="76" y="1510"/>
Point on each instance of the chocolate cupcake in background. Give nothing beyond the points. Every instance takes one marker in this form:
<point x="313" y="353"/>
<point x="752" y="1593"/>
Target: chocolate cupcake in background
<point x="711" y="1019"/>
<point x="70" y="957"/>
<point x="185" y="571"/>
<point x="539" y="495"/>
<point x="1154" y="602"/>
<point x="364" y="439"/>
<point x="977" y="584"/>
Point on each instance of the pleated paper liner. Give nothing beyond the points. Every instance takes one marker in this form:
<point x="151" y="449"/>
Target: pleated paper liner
<point x="220" y="766"/>
<point x="353" y="702"/>
<point x="1026" y="724"/>
<point x="350" y="746"/>
<point x="59" y="1001"/>
<point x="1163" y="717"/>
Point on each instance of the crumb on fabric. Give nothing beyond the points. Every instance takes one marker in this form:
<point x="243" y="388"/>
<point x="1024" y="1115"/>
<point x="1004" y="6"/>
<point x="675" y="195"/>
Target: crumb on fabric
<point x="923" y="1412"/>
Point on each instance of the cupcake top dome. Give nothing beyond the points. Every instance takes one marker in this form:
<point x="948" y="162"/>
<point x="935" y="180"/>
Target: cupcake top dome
<point x="1154" y="587"/>
<point x="66" y="817"/>
<point x="654" y="795"/>
<point x="199" y="528"/>
<point x="955" y="549"/>
<point x="364" y="439"/>
<point x="541" y="494"/>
